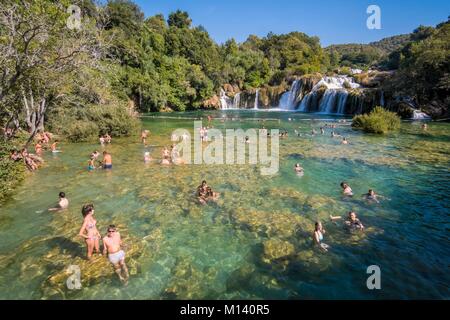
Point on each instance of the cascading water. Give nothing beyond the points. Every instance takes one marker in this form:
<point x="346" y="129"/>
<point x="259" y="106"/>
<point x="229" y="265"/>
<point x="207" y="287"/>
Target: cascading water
<point x="329" y="96"/>
<point x="333" y="99"/>
<point x="225" y="101"/>
<point x="382" y="102"/>
<point x="237" y="101"/>
<point x="289" y="100"/>
<point x="256" y="100"/>
<point x="419" y="115"/>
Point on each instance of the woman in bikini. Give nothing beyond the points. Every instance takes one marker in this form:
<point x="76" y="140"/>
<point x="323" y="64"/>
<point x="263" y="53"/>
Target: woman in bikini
<point x="89" y="230"/>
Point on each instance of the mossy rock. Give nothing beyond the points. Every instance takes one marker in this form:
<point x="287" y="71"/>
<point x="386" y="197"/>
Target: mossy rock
<point x="275" y="249"/>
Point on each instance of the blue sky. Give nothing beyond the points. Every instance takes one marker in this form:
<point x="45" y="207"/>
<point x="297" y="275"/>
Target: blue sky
<point x="333" y="21"/>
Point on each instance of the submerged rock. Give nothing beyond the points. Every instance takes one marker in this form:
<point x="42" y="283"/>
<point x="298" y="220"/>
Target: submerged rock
<point x="275" y="249"/>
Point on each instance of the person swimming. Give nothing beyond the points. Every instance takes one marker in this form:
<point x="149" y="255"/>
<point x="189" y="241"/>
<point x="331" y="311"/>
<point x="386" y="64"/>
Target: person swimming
<point x="347" y="191"/>
<point x="372" y="196"/>
<point x="211" y="195"/>
<point x="298" y="169"/>
<point x="63" y="203"/>
<point x="344" y="141"/>
<point x="322" y="131"/>
<point x="112" y="247"/>
<point x="89" y="230"/>
<point x="352" y="222"/>
<point x="319" y="231"/>
<point x="202" y="192"/>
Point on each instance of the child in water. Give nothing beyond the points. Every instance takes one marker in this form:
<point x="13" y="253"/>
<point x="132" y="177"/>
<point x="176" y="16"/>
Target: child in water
<point x="63" y="203"/>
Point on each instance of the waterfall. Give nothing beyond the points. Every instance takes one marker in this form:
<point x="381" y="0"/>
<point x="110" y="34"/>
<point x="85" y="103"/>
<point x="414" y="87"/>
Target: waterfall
<point x="237" y="101"/>
<point x="419" y="115"/>
<point x="333" y="100"/>
<point x="382" y="99"/>
<point x="256" y="99"/>
<point x="225" y="101"/>
<point x="288" y="100"/>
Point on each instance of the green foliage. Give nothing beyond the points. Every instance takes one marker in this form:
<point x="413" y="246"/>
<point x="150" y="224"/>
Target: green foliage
<point x="85" y="124"/>
<point x="11" y="172"/>
<point x="379" y="121"/>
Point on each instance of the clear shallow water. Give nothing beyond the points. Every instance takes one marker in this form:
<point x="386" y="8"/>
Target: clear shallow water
<point x="255" y="242"/>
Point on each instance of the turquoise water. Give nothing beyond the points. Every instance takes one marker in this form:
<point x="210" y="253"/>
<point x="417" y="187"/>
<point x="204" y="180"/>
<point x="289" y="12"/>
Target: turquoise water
<point x="255" y="242"/>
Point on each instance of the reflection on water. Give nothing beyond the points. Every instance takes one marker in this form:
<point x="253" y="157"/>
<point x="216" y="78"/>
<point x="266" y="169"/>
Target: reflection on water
<point x="255" y="242"/>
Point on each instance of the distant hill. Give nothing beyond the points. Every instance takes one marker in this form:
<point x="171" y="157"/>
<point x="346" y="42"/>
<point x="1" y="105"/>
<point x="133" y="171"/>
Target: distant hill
<point x="365" y="55"/>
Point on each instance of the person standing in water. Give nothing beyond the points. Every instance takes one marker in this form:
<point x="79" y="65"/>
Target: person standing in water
<point x="91" y="163"/>
<point x="347" y="191"/>
<point x="147" y="157"/>
<point x="144" y="136"/>
<point x="112" y="244"/>
<point x="107" y="160"/>
<point x="54" y="146"/>
<point x="319" y="231"/>
<point x="344" y="141"/>
<point x="89" y="230"/>
<point x="38" y="148"/>
<point x="63" y="203"/>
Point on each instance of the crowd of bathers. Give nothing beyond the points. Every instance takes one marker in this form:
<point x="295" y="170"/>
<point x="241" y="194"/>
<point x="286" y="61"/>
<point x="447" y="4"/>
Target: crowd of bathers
<point x="112" y="242"/>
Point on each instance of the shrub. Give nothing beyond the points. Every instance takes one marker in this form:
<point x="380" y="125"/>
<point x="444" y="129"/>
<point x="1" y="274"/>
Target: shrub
<point x="11" y="172"/>
<point x="85" y="124"/>
<point x="378" y="121"/>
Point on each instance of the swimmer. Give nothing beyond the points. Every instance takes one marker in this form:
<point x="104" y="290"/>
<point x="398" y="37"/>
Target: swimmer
<point x="372" y="196"/>
<point x="332" y="134"/>
<point x="54" y="145"/>
<point x="107" y="160"/>
<point x="424" y="127"/>
<point x="89" y="230"/>
<point x="107" y="138"/>
<point x="347" y="191"/>
<point x="95" y="154"/>
<point x="319" y="231"/>
<point x="298" y="169"/>
<point x="165" y="156"/>
<point x="147" y="157"/>
<point x="352" y="222"/>
<point x="112" y="244"/>
<point x="322" y="131"/>
<point x="211" y="195"/>
<point x="344" y="141"/>
<point x="102" y="140"/>
<point x="202" y="192"/>
<point x="91" y="164"/>
<point x="63" y="203"/>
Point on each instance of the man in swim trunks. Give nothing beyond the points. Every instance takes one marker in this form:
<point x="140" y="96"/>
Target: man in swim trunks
<point x="63" y="203"/>
<point x="112" y="247"/>
<point x="107" y="160"/>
